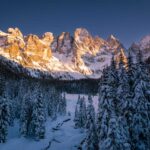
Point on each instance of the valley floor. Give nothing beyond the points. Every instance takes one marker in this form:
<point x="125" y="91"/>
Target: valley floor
<point x="60" y="134"/>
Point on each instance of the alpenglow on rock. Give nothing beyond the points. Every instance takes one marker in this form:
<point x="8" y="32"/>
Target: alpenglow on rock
<point x="62" y="57"/>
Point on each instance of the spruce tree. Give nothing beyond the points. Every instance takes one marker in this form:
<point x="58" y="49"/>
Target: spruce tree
<point x="105" y="110"/>
<point x="4" y="118"/>
<point x="38" y="119"/>
<point x="116" y="138"/>
<point x="50" y="106"/>
<point x="128" y="109"/>
<point x="107" y="98"/>
<point x="90" y="113"/>
<point x="76" y="116"/>
<point x="112" y="104"/>
<point x="123" y="88"/>
<point x="140" y="129"/>
<point x="54" y="103"/>
<point x="21" y="93"/>
<point x="12" y="110"/>
<point x="92" y="142"/>
<point x="2" y="81"/>
<point x="80" y="113"/>
<point x="26" y="116"/>
<point x="62" y="104"/>
<point x="131" y="72"/>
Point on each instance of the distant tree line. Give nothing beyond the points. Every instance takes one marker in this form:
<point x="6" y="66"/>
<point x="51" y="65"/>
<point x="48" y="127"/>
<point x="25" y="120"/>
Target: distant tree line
<point x="30" y="102"/>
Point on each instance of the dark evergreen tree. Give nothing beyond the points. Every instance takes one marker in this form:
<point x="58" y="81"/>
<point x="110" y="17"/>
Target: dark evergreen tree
<point x="123" y="88"/>
<point x="80" y="113"/>
<point x="112" y="104"/>
<point x="20" y="93"/>
<point x="76" y="117"/>
<point x="131" y="72"/>
<point x="62" y="105"/>
<point x="38" y="118"/>
<point x="12" y="114"/>
<point x="2" y="81"/>
<point x="11" y="104"/>
<point x="107" y="98"/>
<point x="128" y="105"/>
<point x="53" y="103"/>
<point x="140" y="129"/>
<point x="90" y="113"/>
<point x="4" y="118"/>
<point x="92" y="142"/>
<point x="26" y="116"/>
<point x="116" y="137"/>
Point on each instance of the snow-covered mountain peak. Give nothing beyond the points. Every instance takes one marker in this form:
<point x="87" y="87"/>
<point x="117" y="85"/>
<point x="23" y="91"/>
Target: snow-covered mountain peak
<point x="144" y="46"/>
<point x="145" y="42"/>
<point x="114" y="43"/>
<point x="112" y="37"/>
<point x="62" y="57"/>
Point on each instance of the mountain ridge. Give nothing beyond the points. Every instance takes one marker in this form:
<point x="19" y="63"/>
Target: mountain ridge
<point x="62" y="57"/>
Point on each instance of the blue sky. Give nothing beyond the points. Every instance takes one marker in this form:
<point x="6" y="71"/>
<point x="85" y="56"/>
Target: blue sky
<point x="128" y="20"/>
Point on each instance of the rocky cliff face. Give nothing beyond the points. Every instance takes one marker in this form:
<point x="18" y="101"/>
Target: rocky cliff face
<point x="37" y="49"/>
<point x="64" y="57"/>
<point x="25" y="49"/>
<point x="114" y="44"/>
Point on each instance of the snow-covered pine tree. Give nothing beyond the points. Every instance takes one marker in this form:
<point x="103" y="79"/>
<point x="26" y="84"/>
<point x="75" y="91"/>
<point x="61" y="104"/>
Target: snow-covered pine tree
<point x="54" y="103"/>
<point x="92" y="142"/>
<point x="142" y="74"/>
<point x="20" y="93"/>
<point x="80" y="113"/>
<point x="102" y="97"/>
<point x="4" y="118"/>
<point x="116" y="138"/>
<point x="38" y="118"/>
<point x="124" y="95"/>
<point x="106" y="108"/>
<point x="138" y="112"/>
<point x="76" y="114"/>
<point x="123" y="88"/>
<point x="128" y="108"/>
<point x="90" y="100"/>
<point x="12" y="110"/>
<point x="10" y="105"/>
<point x="62" y="104"/>
<point x="140" y="129"/>
<point x="90" y="112"/>
<point x="26" y="116"/>
<point x="2" y="81"/>
<point x="107" y="98"/>
<point x="51" y="104"/>
<point x="131" y="72"/>
<point x="112" y="80"/>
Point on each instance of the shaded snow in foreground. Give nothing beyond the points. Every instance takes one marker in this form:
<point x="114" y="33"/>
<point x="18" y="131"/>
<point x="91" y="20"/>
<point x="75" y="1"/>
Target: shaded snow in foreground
<point x="67" y="137"/>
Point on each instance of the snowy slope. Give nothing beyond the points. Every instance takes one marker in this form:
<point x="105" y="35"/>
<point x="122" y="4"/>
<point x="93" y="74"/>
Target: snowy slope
<point x="67" y="138"/>
<point x="59" y="67"/>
